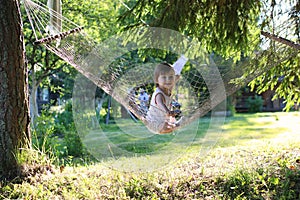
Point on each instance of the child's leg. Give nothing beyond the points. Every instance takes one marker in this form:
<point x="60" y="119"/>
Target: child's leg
<point x="167" y="128"/>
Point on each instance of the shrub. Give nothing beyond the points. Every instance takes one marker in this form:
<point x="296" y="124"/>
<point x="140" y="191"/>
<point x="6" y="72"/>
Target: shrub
<point x="255" y="104"/>
<point x="56" y="134"/>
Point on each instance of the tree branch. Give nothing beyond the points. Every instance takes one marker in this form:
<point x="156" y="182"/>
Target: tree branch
<point x="281" y="40"/>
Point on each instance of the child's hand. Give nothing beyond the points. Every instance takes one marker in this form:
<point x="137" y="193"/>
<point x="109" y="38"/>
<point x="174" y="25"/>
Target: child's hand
<point x="174" y="113"/>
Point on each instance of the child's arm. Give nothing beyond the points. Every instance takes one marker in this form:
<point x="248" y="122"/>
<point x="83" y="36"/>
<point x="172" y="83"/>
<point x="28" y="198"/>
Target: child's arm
<point x="160" y="101"/>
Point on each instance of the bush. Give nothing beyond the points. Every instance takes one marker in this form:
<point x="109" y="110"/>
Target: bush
<point x="56" y="134"/>
<point x="255" y="104"/>
<point x="44" y="138"/>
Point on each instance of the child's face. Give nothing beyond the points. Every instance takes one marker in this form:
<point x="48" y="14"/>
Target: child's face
<point x="166" y="80"/>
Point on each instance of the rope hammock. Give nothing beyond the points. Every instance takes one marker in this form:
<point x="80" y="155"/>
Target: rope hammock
<point x="206" y="80"/>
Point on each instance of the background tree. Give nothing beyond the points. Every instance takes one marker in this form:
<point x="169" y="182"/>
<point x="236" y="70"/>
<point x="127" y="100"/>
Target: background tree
<point x="45" y="68"/>
<point x="14" y="113"/>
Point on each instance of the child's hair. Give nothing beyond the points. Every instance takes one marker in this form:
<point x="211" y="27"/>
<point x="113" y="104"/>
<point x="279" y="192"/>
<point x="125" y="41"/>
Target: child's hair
<point x="161" y="68"/>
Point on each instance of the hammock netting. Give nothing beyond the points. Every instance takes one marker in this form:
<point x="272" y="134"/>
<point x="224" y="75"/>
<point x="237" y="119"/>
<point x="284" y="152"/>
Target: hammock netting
<point x="206" y="79"/>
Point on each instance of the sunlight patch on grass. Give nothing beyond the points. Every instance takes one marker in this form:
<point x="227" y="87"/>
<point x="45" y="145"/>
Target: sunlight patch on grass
<point x="244" y="127"/>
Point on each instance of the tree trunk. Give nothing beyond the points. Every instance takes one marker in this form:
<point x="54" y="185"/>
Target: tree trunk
<point x="14" y="112"/>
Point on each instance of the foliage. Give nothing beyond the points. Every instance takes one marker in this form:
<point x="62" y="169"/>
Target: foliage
<point x="222" y="27"/>
<point x="45" y="68"/>
<point x="55" y="134"/>
<point x="254" y="104"/>
<point x="284" y="78"/>
<point x="98" y="17"/>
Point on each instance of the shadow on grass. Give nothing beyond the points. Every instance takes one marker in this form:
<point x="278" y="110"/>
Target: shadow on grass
<point x="123" y="139"/>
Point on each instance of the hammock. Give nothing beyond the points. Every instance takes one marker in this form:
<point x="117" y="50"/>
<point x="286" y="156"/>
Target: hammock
<point x="206" y="81"/>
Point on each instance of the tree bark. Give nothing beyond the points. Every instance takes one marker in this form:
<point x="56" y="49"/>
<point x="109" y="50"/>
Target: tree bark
<point x="14" y="112"/>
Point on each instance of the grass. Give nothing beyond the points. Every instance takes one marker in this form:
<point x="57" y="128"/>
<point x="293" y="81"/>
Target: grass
<point x="251" y="156"/>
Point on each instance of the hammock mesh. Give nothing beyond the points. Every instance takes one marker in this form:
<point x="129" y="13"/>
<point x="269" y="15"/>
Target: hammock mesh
<point x="205" y="82"/>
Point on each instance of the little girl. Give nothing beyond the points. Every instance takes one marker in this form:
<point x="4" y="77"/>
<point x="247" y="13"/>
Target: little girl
<point x="160" y="117"/>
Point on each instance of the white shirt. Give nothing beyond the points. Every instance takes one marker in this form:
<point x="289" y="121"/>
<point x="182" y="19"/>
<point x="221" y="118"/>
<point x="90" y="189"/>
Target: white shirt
<point x="156" y="115"/>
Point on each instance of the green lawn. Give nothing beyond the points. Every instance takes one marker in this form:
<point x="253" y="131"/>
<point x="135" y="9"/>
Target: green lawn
<point x="124" y="138"/>
<point x="250" y="156"/>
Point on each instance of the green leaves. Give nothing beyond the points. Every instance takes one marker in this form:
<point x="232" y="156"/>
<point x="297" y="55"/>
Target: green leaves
<point x="284" y="78"/>
<point x="221" y="26"/>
